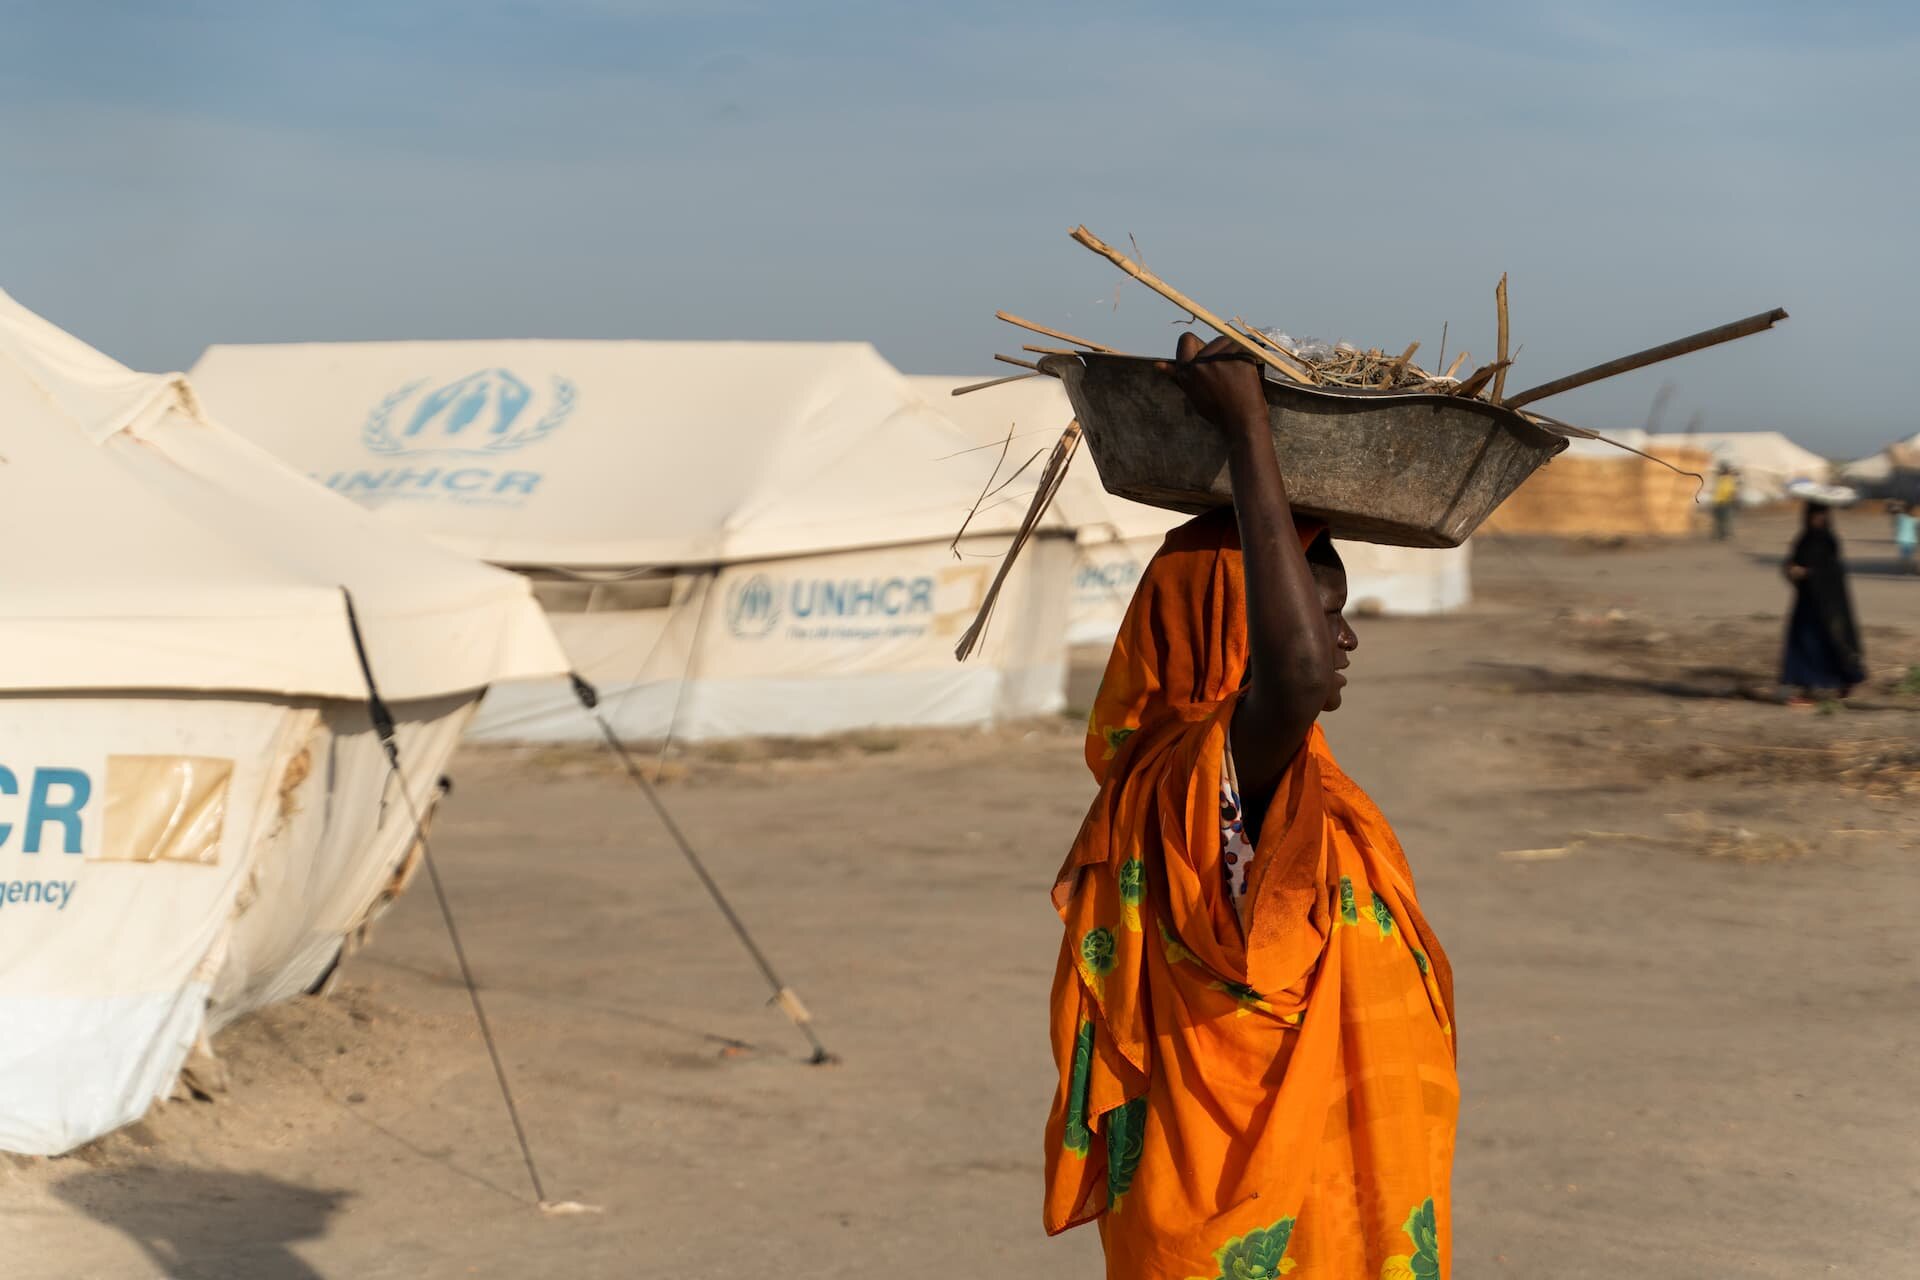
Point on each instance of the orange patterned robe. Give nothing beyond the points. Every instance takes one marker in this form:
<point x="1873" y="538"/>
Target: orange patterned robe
<point x="1240" y="1100"/>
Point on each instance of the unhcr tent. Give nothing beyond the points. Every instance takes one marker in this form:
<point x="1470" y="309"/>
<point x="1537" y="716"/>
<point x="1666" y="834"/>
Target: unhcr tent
<point x="1115" y="537"/>
<point x="730" y="538"/>
<point x="1767" y="461"/>
<point x="195" y="812"/>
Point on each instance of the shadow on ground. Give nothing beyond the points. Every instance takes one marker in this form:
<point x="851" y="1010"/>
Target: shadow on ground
<point x="204" y="1224"/>
<point x="1872" y="566"/>
<point x="1695" y="682"/>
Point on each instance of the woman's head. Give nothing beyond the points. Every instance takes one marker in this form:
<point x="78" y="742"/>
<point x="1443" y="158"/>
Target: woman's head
<point x="1818" y="516"/>
<point x="1330" y="580"/>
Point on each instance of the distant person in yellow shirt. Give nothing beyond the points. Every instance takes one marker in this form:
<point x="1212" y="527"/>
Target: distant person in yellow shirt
<point x="1726" y="496"/>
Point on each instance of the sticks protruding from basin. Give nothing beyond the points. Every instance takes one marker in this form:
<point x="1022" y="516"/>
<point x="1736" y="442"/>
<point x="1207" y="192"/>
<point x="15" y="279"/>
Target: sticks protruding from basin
<point x="1041" y="329"/>
<point x="1266" y="355"/>
<point x="1652" y="355"/>
<point x="972" y="387"/>
<point x="1500" y="356"/>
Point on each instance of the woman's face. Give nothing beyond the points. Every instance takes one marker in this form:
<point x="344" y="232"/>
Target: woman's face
<point x="1331" y="582"/>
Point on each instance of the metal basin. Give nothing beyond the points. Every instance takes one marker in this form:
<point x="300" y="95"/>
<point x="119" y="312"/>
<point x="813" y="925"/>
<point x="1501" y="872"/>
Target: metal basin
<point x="1405" y="470"/>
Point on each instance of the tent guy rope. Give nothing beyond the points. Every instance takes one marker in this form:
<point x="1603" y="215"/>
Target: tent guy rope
<point x="783" y="995"/>
<point x="385" y="728"/>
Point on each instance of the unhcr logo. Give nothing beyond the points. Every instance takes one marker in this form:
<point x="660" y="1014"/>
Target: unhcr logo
<point x="484" y="413"/>
<point x="753" y="607"/>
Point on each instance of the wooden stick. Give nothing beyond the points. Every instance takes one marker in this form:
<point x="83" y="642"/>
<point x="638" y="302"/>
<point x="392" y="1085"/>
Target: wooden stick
<point x="1481" y="377"/>
<point x="1500" y="349"/>
<point x="1043" y="495"/>
<point x="993" y="382"/>
<point x="1266" y="355"/>
<point x="1049" y="351"/>
<point x="1457" y="362"/>
<point x="1652" y="355"/>
<point x="1405" y="357"/>
<point x="1024" y="364"/>
<point x="1012" y="319"/>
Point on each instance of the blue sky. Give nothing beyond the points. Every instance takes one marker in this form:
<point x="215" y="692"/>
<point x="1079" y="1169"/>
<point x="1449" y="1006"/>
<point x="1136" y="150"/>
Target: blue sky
<point x="215" y="171"/>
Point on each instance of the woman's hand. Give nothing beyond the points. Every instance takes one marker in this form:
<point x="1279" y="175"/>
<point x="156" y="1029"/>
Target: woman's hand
<point x="1223" y="383"/>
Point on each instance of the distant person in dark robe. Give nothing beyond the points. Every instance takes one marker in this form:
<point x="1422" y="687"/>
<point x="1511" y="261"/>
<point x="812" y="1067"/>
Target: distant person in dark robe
<point x="1823" y="655"/>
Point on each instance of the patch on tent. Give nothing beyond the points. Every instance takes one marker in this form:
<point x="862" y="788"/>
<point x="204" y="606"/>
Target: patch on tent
<point x="165" y="809"/>
<point x="954" y="618"/>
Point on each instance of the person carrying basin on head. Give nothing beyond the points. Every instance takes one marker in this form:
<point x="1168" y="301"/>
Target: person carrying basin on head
<point x="1251" y="1019"/>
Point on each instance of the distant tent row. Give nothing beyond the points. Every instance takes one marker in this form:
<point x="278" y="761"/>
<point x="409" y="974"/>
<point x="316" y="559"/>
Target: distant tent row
<point x="731" y="538"/>
<point x="195" y="813"/>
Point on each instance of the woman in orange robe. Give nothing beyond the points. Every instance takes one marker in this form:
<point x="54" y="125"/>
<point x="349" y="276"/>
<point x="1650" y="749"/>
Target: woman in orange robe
<point x="1252" y="1021"/>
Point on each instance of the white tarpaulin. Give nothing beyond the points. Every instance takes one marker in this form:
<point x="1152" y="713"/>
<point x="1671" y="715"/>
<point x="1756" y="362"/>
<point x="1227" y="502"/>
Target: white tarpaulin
<point x="811" y="469"/>
<point x="194" y="810"/>
<point x="1116" y="537"/>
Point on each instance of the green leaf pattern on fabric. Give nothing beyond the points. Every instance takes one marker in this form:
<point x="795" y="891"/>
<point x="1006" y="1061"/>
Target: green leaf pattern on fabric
<point x="1423" y="1229"/>
<point x="1349" y="910"/>
<point x="1133" y="881"/>
<point x="1257" y="1255"/>
<point x="1382" y="915"/>
<point x="1125" y="1130"/>
<point x="1097" y="951"/>
<point x="1424" y="1262"/>
<point x="1078" y="1136"/>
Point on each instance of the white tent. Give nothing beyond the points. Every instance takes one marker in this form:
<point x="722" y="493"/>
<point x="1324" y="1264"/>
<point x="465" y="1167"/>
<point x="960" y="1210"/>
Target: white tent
<point x="1881" y="473"/>
<point x="1767" y="461"/>
<point x="731" y="538"/>
<point x="194" y="810"/>
<point x="1116" y="537"/>
<point x="1874" y="469"/>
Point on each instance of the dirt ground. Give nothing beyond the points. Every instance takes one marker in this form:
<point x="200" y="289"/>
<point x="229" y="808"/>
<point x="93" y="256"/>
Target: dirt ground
<point x="1682" y="922"/>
